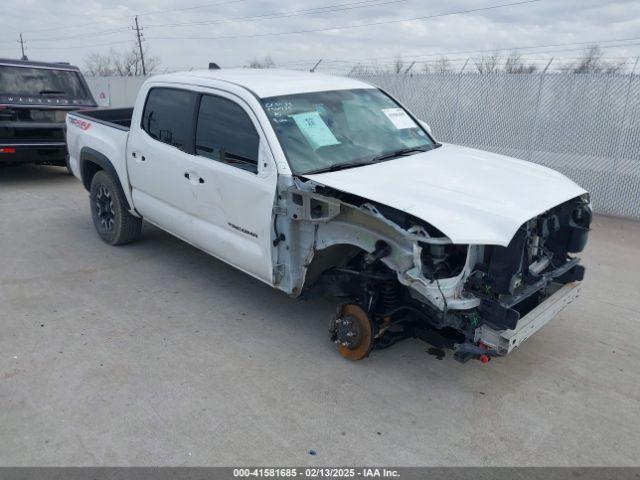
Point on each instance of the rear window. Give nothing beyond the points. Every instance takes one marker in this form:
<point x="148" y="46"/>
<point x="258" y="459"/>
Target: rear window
<point x="168" y="115"/>
<point x="41" y="82"/>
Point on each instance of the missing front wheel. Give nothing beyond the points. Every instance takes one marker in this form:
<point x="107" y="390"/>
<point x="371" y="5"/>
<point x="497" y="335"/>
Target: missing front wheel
<point x="352" y="331"/>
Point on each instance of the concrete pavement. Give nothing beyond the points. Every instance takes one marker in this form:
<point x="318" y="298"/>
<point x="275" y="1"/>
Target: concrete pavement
<point x="157" y="354"/>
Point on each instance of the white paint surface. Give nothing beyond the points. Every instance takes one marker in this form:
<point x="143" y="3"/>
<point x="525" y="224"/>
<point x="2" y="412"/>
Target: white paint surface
<point x="473" y="197"/>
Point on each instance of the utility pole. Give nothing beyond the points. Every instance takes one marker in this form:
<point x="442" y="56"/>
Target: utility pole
<point x="138" y="29"/>
<point x="21" y="42"/>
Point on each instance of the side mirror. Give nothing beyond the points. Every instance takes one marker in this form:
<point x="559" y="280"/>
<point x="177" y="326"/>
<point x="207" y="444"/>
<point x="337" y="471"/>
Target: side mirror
<point x="426" y="126"/>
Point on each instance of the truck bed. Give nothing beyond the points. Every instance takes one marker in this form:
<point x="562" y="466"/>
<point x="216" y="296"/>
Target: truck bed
<point x="115" y="117"/>
<point x="100" y="133"/>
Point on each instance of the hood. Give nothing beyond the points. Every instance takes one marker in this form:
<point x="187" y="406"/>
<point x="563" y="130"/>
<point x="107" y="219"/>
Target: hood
<point x="472" y="196"/>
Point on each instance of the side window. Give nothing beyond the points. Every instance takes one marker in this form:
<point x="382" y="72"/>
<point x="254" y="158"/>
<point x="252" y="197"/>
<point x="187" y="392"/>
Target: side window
<point x="225" y="133"/>
<point x="167" y="116"/>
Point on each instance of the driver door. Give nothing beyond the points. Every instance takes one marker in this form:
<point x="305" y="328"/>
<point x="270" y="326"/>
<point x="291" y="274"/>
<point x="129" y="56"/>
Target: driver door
<point x="232" y="180"/>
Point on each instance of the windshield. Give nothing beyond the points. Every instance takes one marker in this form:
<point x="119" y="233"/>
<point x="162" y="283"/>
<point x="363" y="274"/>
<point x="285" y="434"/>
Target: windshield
<point x="40" y="82"/>
<point x="328" y="130"/>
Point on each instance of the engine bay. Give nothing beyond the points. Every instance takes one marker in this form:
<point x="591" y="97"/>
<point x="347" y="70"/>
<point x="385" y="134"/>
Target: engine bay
<point x="489" y="288"/>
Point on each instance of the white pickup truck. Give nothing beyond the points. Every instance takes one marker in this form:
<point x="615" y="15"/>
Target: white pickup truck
<point x="320" y="185"/>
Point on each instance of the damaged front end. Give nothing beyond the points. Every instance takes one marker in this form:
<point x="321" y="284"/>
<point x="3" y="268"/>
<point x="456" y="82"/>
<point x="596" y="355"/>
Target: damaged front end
<point x="399" y="277"/>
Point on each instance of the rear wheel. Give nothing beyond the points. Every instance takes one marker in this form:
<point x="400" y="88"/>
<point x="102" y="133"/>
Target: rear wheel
<point x="114" y="224"/>
<point x="67" y="165"/>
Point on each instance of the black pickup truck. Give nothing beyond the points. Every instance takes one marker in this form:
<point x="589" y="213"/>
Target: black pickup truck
<point x="34" y="100"/>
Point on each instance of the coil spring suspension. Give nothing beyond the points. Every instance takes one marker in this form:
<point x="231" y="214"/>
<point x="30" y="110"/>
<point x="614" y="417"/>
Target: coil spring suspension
<point x="389" y="295"/>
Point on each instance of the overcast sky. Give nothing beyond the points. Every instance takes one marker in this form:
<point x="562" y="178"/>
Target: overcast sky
<point x="68" y="30"/>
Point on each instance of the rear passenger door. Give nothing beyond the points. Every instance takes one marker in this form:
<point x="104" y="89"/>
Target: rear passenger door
<point x="158" y="149"/>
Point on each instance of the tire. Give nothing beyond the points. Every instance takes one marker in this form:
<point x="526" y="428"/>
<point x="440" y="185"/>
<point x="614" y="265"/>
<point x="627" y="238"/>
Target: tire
<point x="114" y="224"/>
<point x="68" y="166"/>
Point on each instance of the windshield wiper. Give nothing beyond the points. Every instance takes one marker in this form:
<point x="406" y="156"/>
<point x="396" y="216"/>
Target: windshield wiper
<point x="360" y="163"/>
<point x="399" y="153"/>
<point x="339" y="166"/>
<point x="50" y="92"/>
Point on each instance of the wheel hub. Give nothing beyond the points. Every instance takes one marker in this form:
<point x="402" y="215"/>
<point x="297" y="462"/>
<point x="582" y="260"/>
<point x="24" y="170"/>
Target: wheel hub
<point x="104" y="208"/>
<point x="352" y="331"/>
<point x="348" y="331"/>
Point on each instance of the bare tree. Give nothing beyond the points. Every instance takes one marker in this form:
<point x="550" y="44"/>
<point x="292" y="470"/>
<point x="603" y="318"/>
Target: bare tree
<point x="515" y="64"/>
<point x="489" y="63"/>
<point x="267" y="62"/>
<point x="124" y="64"/>
<point x="99" y="65"/>
<point x="398" y="64"/>
<point x="357" y="70"/>
<point x="362" y="69"/>
<point x="129" y="64"/>
<point x="442" y="65"/>
<point x="615" y="67"/>
<point x="592" y="61"/>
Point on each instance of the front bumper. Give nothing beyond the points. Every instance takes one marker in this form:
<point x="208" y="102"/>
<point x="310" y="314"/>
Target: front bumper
<point x="504" y="341"/>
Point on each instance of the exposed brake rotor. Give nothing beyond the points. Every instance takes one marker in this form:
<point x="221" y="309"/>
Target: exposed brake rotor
<point x="352" y="331"/>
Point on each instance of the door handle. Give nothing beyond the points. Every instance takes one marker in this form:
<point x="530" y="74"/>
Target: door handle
<point x="193" y="177"/>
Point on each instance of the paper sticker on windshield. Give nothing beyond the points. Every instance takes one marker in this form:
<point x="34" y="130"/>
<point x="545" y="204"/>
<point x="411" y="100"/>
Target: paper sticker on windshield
<point x="314" y="129"/>
<point x="399" y="118"/>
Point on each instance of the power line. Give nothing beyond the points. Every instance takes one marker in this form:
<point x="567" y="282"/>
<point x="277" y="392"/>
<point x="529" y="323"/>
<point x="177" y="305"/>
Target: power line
<point x="311" y="11"/>
<point x="345" y="27"/>
<point x="268" y="16"/>
<point x="74" y="47"/>
<point x="491" y="50"/>
<point x="275" y="15"/>
<point x="79" y="25"/>
<point x="183" y="9"/>
<point x="123" y="16"/>
<point x="78" y="35"/>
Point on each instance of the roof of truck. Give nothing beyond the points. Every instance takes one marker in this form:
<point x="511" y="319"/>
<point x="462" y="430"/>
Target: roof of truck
<point x="269" y="82"/>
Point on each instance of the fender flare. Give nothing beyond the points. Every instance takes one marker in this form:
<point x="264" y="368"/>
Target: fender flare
<point x="89" y="155"/>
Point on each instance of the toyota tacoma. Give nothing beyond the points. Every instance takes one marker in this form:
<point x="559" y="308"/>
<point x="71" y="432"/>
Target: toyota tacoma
<point x="321" y="185"/>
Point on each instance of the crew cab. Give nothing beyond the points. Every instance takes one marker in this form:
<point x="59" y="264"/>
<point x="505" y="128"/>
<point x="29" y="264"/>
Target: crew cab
<point x="35" y="98"/>
<point x="320" y="185"/>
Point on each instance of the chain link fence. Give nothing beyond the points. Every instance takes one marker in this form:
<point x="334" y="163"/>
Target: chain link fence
<point x="586" y="126"/>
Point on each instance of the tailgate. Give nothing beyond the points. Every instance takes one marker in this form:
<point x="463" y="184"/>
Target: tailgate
<point x="27" y="126"/>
